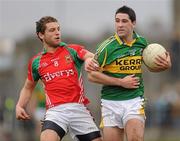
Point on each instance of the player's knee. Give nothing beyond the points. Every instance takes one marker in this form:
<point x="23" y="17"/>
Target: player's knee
<point x="98" y="139"/>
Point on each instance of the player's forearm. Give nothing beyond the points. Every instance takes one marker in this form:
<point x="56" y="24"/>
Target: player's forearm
<point x="88" y="55"/>
<point x="24" y="98"/>
<point x="26" y="93"/>
<point x="100" y="78"/>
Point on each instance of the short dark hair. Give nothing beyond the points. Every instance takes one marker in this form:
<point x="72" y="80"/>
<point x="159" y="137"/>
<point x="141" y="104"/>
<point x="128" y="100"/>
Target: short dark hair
<point x="41" y="24"/>
<point x="127" y="10"/>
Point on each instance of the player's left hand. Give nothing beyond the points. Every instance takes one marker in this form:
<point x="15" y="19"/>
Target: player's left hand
<point x="163" y="63"/>
<point x="91" y="65"/>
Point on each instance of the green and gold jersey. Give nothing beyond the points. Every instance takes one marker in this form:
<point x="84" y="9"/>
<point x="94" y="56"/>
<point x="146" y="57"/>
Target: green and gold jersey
<point x="119" y="59"/>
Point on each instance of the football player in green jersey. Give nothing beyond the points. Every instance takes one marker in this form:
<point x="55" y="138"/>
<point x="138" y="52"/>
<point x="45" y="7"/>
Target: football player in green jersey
<point x="120" y="60"/>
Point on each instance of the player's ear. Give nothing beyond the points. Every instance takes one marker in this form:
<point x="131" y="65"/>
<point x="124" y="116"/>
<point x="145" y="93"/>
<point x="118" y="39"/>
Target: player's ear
<point x="40" y="35"/>
<point x="134" y="23"/>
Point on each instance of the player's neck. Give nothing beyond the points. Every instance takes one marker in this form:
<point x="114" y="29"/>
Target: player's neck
<point x="50" y="49"/>
<point x="128" y="39"/>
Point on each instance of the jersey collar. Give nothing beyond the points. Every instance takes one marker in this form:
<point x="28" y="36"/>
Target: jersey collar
<point x="120" y="41"/>
<point x="61" y="44"/>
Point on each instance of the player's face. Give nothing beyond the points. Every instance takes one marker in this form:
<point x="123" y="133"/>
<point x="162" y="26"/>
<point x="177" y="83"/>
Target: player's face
<point x="52" y="35"/>
<point x="124" y="26"/>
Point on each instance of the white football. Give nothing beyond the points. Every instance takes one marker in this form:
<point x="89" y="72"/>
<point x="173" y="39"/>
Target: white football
<point x="151" y="52"/>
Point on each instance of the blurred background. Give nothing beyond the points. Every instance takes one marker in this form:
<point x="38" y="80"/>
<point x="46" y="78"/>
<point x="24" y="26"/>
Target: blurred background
<point x="87" y="22"/>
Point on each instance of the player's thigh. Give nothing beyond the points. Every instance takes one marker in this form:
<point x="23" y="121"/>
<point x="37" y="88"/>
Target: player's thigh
<point x="98" y="139"/>
<point x="113" y="134"/>
<point x="82" y="125"/>
<point x="49" y="135"/>
<point x="135" y="130"/>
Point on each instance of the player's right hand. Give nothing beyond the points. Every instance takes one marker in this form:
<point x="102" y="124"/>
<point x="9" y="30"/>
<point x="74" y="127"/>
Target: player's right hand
<point x="21" y="114"/>
<point x="130" y="82"/>
<point x="91" y="65"/>
<point x="162" y="63"/>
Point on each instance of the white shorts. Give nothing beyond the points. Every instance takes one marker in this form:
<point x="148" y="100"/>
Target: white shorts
<point x="39" y="113"/>
<point x="117" y="113"/>
<point x="72" y="117"/>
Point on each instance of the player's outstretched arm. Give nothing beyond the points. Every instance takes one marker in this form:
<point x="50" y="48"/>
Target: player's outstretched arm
<point x="129" y="81"/>
<point x="25" y="96"/>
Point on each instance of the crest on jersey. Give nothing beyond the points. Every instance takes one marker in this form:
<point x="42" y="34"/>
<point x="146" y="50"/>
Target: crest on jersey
<point x="132" y="52"/>
<point x="68" y="59"/>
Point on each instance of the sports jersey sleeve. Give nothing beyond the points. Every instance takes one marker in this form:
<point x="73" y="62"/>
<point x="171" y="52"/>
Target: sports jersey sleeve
<point x="33" y="66"/>
<point x="80" y="50"/>
<point x="101" y="53"/>
<point x="144" y="42"/>
<point x="102" y="57"/>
